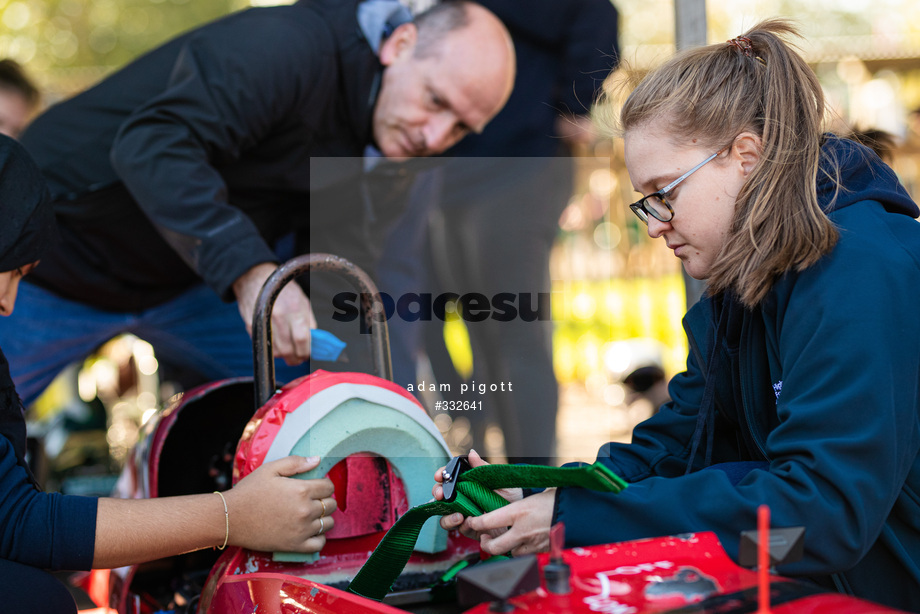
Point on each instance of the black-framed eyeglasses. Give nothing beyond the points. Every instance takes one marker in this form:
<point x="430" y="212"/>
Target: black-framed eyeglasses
<point x="656" y="204"/>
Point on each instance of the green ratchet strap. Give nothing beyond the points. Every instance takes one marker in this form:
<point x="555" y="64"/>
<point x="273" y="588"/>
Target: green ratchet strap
<point x="472" y="494"/>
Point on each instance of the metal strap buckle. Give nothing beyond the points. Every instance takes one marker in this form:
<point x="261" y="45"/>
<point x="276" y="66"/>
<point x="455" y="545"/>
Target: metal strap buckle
<point x="451" y="474"/>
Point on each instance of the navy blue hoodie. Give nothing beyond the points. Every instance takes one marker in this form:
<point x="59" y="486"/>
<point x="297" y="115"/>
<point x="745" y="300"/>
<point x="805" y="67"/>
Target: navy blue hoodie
<point x="40" y="529"/>
<point x="818" y="390"/>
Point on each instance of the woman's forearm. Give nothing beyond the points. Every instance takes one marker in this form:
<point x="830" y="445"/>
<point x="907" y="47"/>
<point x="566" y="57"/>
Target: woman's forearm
<point x="130" y="531"/>
<point x="267" y="510"/>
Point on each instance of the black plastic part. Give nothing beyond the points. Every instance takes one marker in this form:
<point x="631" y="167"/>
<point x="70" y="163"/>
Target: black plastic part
<point x="786" y="546"/>
<point x="498" y="581"/>
<point x="451" y="475"/>
<point x="556" y="575"/>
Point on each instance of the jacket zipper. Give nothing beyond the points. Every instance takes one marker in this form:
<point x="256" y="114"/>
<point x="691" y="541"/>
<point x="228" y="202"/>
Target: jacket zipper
<point x="745" y="404"/>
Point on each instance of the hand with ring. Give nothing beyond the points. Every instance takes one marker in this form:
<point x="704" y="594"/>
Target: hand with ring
<point x="299" y="509"/>
<point x="322" y="517"/>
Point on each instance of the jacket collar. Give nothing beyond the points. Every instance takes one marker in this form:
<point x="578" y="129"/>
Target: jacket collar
<point x="358" y="27"/>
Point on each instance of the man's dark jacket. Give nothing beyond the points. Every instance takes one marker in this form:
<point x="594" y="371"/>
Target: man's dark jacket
<point x="188" y="162"/>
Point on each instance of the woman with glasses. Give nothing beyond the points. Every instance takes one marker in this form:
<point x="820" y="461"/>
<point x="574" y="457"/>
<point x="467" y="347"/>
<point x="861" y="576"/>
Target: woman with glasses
<point x="801" y="389"/>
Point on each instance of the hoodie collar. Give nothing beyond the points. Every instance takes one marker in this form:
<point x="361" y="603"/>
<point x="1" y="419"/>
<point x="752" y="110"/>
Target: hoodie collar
<point x="863" y="176"/>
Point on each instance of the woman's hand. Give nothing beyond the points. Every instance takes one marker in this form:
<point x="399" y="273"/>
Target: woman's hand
<point x="521" y="527"/>
<point x="269" y="510"/>
<point x="456" y="521"/>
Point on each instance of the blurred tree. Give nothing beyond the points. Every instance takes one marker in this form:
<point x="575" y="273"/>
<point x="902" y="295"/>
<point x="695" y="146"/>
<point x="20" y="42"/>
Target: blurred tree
<point x="70" y="44"/>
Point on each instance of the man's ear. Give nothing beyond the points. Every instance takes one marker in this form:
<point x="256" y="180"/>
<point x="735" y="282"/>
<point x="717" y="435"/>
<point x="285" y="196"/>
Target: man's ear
<point x="746" y="149"/>
<point x="400" y="42"/>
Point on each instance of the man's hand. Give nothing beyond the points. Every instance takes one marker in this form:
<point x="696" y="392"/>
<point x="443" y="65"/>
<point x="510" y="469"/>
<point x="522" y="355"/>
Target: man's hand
<point x="292" y="315"/>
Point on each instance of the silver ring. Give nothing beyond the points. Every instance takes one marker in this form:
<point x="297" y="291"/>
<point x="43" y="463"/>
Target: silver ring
<point x="323" y="503"/>
<point x="322" y="527"/>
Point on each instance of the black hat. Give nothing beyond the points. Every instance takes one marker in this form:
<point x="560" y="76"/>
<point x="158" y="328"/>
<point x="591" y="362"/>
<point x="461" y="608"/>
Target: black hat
<point x="26" y="217"/>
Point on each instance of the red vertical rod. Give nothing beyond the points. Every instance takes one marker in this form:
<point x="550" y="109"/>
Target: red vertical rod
<point x="763" y="559"/>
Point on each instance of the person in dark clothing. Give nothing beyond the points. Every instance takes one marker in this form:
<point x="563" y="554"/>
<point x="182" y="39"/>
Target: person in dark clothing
<point x="498" y="201"/>
<point x="19" y="98"/>
<point x="801" y="389"/>
<point x="50" y="531"/>
<point x="174" y="178"/>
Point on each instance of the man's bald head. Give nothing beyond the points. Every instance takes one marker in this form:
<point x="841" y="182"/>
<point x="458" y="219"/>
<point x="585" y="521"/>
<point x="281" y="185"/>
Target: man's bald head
<point x="448" y="73"/>
<point x="437" y="22"/>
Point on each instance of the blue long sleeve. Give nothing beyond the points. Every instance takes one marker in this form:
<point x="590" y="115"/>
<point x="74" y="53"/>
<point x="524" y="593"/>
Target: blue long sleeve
<point x="45" y="530"/>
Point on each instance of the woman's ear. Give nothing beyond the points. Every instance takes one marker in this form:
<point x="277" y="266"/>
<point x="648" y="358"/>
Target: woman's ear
<point x="746" y="150"/>
<point x="400" y="42"/>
